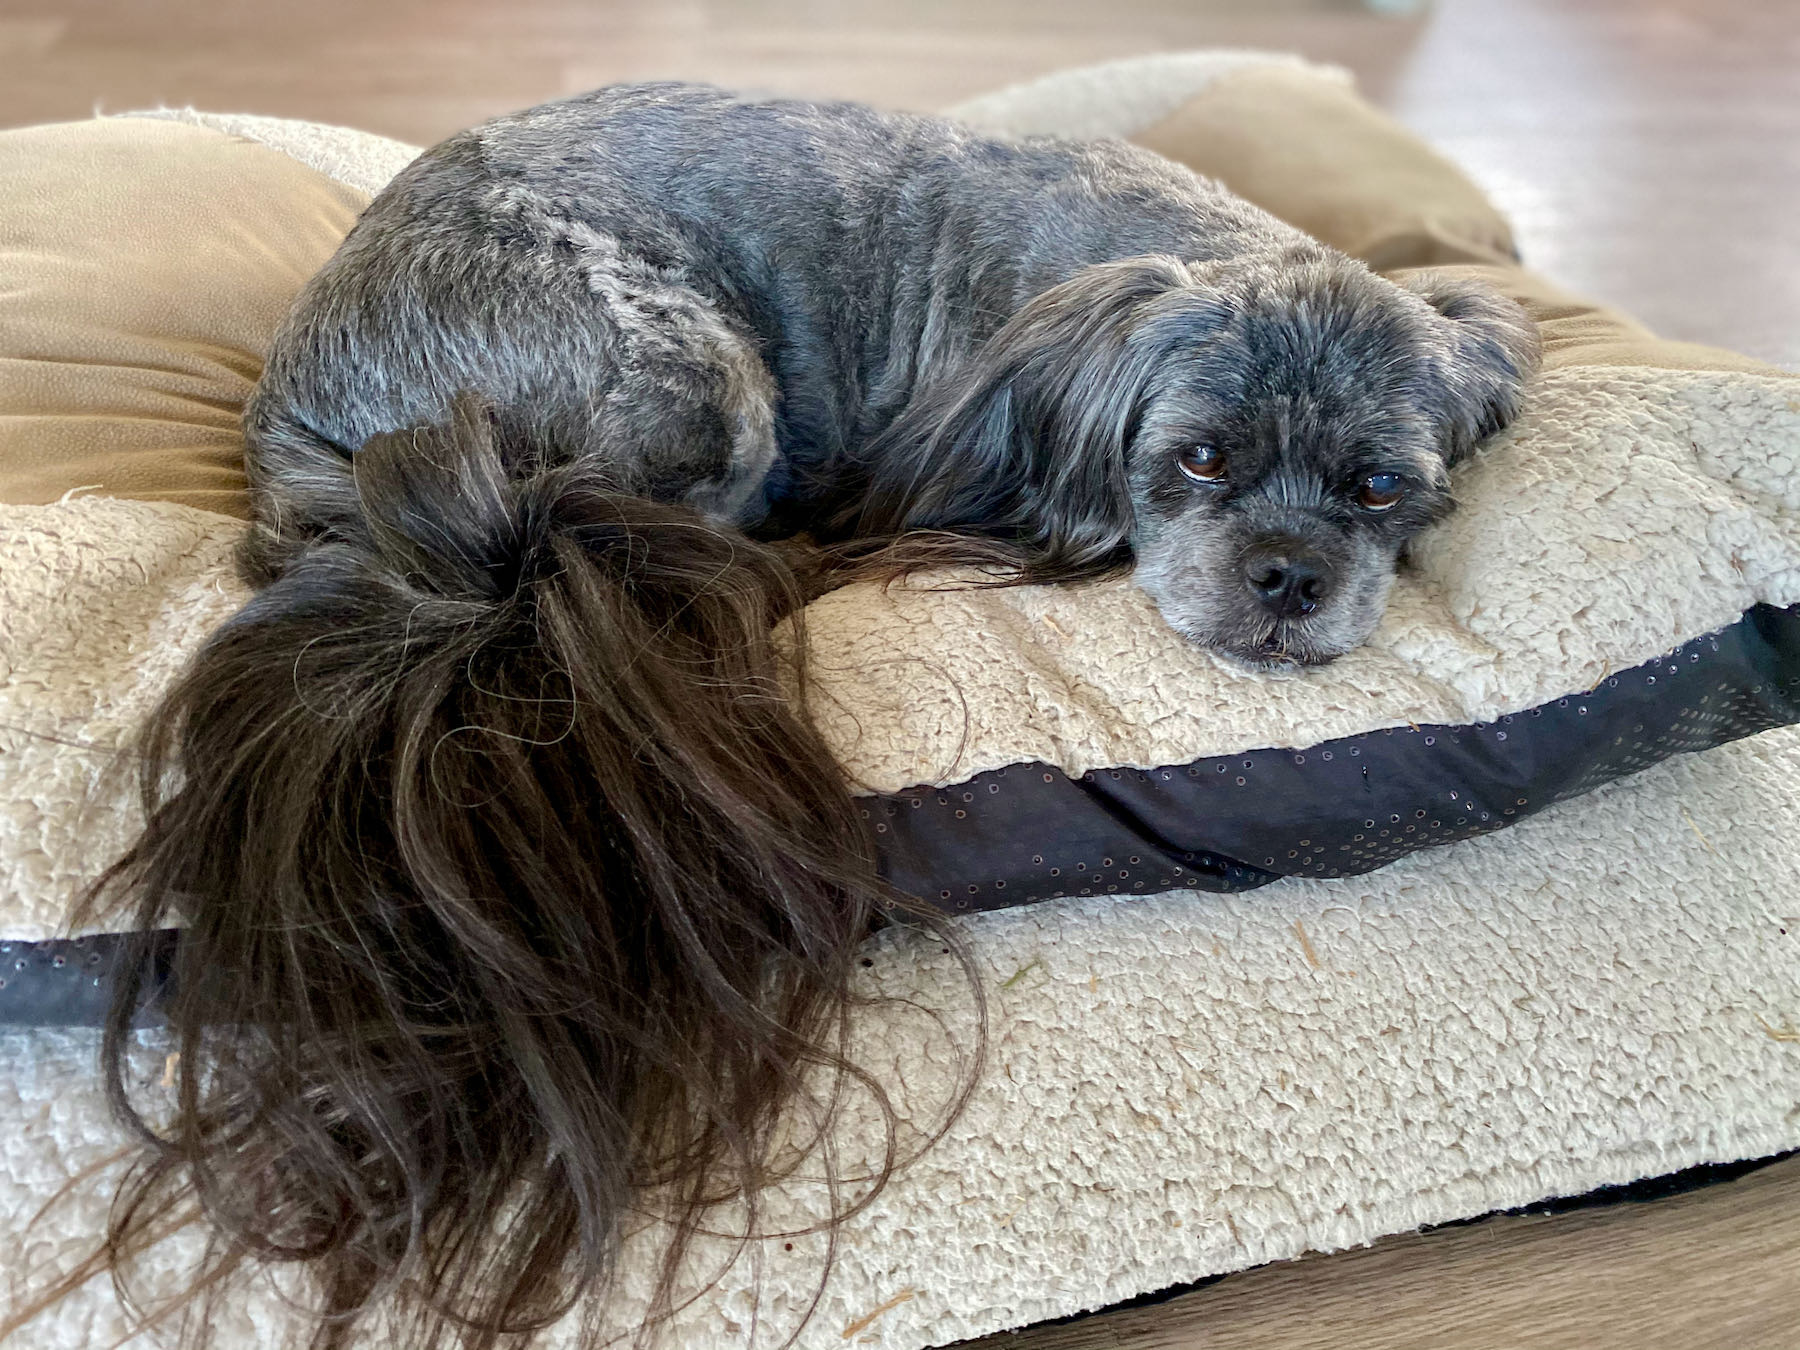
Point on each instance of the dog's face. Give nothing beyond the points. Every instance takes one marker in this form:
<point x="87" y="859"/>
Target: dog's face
<point x="1299" y="432"/>
<point x="1263" y="435"/>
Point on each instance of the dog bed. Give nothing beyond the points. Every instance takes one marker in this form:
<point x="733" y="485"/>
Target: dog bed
<point x="1180" y="1085"/>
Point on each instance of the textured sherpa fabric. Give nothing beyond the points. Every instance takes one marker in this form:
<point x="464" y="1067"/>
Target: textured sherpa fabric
<point x="354" y="158"/>
<point x="1188" y="1084"/>
<point x="1177" y="1085"/>
<point x="101" y="601"/>
<point x="1627" y="511"/>
<point x="1123" y="97"/>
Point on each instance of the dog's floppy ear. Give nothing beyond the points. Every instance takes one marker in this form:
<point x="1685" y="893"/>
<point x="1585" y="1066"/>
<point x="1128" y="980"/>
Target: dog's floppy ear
<point x="1025" y="441"/>
<point x="1493" y="348"/>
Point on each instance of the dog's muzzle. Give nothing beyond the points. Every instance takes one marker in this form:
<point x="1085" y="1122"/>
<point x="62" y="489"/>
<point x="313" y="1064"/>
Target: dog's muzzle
<point x="1289" y="579"/>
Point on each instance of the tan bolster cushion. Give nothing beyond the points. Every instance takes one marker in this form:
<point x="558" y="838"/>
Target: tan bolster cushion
<point x="1313" y="152"/>
<point x="1579" y="332"/>
<point x="144" y="266"/>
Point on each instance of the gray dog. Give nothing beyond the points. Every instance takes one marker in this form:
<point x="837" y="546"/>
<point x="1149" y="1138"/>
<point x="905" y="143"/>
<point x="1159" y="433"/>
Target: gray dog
<point x="521" y="894"/>
<point x="797" y="315"/>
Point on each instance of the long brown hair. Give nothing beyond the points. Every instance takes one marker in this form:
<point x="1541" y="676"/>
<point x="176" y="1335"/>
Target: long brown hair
<point x="520" y="896"/>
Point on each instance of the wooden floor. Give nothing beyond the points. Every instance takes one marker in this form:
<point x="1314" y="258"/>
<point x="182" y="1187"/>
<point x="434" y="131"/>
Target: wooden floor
<point x="1716" y="1269"/>
<point x="1648" y="149"/>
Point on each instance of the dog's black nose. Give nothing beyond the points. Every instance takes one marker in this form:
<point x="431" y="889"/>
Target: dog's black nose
<point x="1289" y="578"/>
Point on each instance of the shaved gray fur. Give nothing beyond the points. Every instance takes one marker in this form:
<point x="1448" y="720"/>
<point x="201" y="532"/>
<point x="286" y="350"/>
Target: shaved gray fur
<point x="816" y="316"/>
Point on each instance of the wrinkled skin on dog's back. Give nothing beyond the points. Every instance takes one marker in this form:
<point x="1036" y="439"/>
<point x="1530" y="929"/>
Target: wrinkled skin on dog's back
<point x="521" y="894"/>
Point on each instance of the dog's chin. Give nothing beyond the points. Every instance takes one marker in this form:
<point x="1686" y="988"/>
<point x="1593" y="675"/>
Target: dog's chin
<point x="1277" y="653"/>
<point x="1265" y="661"/>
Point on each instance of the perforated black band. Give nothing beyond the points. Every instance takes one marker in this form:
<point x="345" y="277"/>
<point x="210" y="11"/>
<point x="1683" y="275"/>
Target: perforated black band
<point x="1030" y="832"/>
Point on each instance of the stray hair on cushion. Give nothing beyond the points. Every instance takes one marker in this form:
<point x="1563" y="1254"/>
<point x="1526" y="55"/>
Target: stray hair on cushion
<point x="514" y="936"/>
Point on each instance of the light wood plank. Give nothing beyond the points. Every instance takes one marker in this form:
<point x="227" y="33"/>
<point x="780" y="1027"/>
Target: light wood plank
<point x="1716" y="1269"/>
<point x="1650" y="153"/>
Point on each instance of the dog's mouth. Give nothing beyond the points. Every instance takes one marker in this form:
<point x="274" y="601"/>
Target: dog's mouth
<point x="1250" y="637"/>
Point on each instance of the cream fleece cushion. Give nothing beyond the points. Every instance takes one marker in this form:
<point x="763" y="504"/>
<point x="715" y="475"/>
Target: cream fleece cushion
<point x="1182" y="1084"/>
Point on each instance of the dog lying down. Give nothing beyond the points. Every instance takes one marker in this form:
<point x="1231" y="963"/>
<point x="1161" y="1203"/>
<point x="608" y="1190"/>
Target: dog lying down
<point x="520" y="893"/>
<point x="866" y="324"/>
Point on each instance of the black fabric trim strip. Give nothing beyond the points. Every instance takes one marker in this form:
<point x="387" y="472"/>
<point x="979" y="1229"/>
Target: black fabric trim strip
<point x="1030" y="832"/>
<point x="68" y="982"/>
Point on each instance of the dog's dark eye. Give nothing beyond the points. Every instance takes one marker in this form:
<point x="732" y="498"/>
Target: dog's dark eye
<point x="1202" y="463"/>
<point x="1380" y="491"/>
